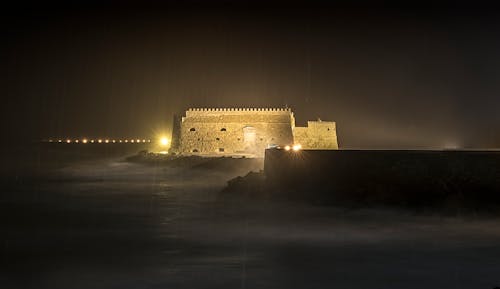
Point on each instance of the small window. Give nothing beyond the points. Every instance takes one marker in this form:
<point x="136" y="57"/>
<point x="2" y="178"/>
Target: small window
<point x="223" y="129"/>
<point x="195" y="151"/>
<point x="221" y="150"/>
<point x="217" y="138"/>
<point x="192" y="129"/>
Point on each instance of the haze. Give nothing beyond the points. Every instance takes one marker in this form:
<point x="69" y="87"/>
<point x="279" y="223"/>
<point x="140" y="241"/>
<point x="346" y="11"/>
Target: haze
<point x="391" y="77"/>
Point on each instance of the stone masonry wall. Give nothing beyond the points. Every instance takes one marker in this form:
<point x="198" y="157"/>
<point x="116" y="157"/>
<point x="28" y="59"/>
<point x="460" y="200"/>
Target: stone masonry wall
<point x="234" y="131"/>
<point x="317" y="135"/>
<point x="230" y="131"/>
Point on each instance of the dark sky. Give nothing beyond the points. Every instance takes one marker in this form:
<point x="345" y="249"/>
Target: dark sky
<point x="413" y="76"/>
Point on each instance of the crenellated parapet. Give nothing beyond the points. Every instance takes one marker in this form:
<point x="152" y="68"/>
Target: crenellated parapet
<point x="223" y="109"/>
<point x="237" y="111"/>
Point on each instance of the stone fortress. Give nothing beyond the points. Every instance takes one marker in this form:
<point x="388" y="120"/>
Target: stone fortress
<point x="246" y="132"/>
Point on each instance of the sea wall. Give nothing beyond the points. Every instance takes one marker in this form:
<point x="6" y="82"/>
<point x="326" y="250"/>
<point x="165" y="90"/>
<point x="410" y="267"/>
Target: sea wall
<point x="416" y="178"/>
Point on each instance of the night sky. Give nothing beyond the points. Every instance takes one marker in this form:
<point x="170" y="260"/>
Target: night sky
<point x="391" y="76"/>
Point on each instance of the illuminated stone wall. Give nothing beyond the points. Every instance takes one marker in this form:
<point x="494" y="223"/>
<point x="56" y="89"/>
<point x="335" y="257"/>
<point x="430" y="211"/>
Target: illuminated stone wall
<point x="235" y="131"/>
<point x="317" y="135"/>
<point x="247" y="131"/>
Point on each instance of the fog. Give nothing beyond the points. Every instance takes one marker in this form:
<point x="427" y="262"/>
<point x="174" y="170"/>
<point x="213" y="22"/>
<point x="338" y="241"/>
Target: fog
<point x="109" y="223"/>
<point x="391" y="76"/>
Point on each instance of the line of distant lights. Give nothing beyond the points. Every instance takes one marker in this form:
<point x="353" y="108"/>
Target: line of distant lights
<point x="100" y="141"/>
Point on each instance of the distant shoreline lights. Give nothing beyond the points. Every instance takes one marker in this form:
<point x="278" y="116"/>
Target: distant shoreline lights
<point x="98" y="141"/>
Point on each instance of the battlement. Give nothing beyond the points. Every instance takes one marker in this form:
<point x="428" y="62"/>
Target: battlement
<point x="240" y="109"/>
<point x="228" y="112"/>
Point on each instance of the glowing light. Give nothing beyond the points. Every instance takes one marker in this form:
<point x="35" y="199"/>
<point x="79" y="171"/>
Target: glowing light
<point x="164" y="141"/>
<point x="120" y="141"/>
<point x="59" y="141"/>
<point x="451" y="145"/>
<point x="106" y="141"/>
<point x="114" y="141"/>
<point x="68" y="141"/>
<point x="84" y="140"/>
<point x="99" y="141"/>
<point x="143" y="140"/>
<point x="77" y="141"/>
<point x="163" y="152"/>
<point x="138" y="140"/>
<point x="132" y="140"/>
<point x="297" y="147"/>
<point x="149" y="140"/>
<point x="126" y="140"/>
<point x="92" y="141"/>
<point x="287" y="148"/>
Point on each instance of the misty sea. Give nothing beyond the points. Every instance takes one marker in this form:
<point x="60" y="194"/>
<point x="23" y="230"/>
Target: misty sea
<point x="88" y="218"/>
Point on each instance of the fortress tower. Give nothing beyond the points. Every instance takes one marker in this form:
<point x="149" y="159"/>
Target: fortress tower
<point x="247" y="131"/>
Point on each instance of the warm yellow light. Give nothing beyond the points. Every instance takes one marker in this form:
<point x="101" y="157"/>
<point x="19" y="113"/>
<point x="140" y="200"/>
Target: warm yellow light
<point x="126" y="140"/>
<point x="164" y="141"/>
<point x="92" y="141"/>
<point x="114" y="141"/>
<point x="77" y="141"/>
<point x="287" y="148"/>
<point x="99" y="141"/>
<point x="138" y="140"/>
<point x="106" y="141"/>
<point x="84" y="140"/>
<point x="120" y="140"/>
<point x="297" y="147"/>
<point x="68" y="141"/>
<point x="131" y="140"/>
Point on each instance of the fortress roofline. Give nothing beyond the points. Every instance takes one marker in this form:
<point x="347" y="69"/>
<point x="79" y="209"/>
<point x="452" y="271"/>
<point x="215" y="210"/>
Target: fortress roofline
<point x="240" y="109"/>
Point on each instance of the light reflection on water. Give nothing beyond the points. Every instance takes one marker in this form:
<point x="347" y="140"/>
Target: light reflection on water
<point x="114" y="224"/>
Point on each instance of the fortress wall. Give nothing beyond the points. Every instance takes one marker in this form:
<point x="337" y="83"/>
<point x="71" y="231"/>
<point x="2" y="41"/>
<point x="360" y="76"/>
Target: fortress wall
<point x="239" y="118"/>
<point x="317" y="135"/>
<point x="192" y="112"/>
<point x="208" y="137"/>
<point x="234" y="131"/>
<point x="249" y="131"/>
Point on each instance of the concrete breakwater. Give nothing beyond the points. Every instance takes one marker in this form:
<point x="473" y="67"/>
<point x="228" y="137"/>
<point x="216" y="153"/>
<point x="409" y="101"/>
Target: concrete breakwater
<point x="413" y="178"/>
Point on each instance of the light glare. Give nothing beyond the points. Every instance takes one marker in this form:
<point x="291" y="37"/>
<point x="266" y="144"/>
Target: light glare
<point x="297" y="147"/>
<point x="164" y="141"/>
